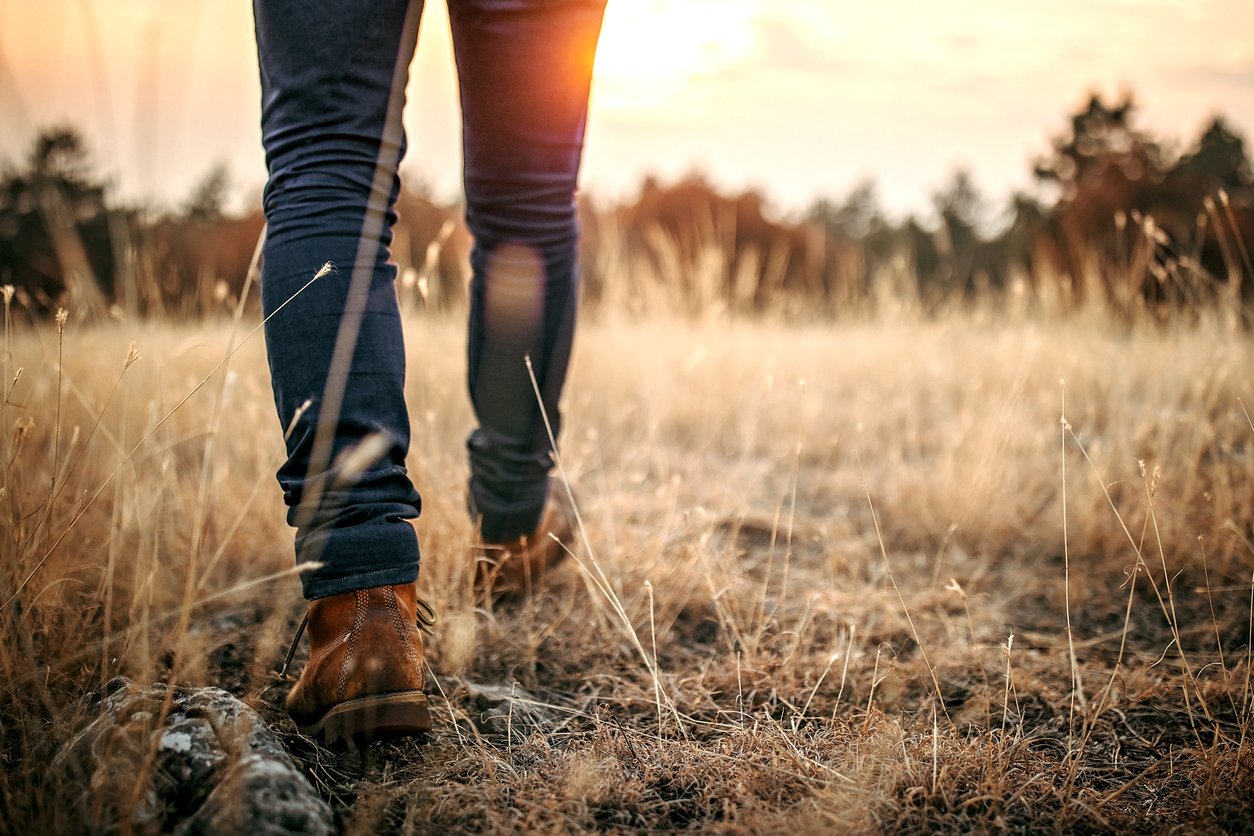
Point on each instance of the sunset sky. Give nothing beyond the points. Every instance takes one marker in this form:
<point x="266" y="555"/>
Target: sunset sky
<point x="799" y="99"/>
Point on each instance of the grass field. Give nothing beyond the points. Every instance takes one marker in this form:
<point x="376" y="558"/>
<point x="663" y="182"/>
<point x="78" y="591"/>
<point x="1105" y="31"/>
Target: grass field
<point x="888" y="575"/>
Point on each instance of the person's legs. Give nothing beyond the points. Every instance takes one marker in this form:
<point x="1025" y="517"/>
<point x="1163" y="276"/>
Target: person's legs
<point x="525" y="67"/>
<point x="333" y="78"/>
<point x="333" y="75"/>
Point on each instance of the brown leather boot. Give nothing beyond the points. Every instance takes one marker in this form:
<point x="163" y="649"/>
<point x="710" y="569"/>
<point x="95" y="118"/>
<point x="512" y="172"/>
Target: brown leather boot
<point x="364" y="677"/>
<point x="519" y="566"/>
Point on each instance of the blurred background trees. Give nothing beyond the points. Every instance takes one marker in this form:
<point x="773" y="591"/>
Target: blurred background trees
<point x="1147" y="226"/>
<point x="1118" y="217"/>
<point x="54" y="225"/>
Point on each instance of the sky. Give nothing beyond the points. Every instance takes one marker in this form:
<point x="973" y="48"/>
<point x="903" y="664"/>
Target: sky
<point x="799" y="99"/>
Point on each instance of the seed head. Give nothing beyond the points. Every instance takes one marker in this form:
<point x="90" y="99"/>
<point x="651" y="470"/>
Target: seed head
<point x="8" y="292"/>
<point x="355" y="461"/>
<point x="63" y="316"/>
<point x="296" y="416"/>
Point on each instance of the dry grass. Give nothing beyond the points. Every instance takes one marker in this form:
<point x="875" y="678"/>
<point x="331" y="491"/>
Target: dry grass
<point x="762" y="653"/>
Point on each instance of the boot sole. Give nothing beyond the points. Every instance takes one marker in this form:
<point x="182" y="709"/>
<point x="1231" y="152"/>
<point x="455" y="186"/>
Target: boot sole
<point x="378" y="717"/>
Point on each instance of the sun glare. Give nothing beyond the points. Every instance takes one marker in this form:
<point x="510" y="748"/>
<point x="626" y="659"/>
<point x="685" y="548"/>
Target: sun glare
<point x="653" y="54"/>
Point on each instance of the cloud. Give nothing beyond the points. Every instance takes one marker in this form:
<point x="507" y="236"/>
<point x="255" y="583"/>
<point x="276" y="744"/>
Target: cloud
<point x="787" y="45"/>
<point x="1241" y="76"/>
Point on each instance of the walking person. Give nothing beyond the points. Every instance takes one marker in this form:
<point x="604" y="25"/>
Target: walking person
<point x="333" y="76"/>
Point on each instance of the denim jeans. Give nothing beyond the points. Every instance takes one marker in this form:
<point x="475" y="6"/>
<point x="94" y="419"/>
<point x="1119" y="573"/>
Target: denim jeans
<point x="333" y="74"/>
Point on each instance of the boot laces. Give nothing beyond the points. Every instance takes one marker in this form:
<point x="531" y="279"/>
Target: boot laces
<point x="424" y="617"/>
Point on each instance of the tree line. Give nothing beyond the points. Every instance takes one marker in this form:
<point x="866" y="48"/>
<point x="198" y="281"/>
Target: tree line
<point x="1120" y="218"/>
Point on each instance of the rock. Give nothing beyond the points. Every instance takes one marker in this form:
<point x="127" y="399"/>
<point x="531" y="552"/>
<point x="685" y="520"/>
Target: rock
<point x="211" y="767"/>
<point x="262" y="796"/>
<point x="505" y="711"/>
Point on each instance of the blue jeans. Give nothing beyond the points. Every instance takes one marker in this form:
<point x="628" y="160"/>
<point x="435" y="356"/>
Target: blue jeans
<point x="333" y="75"/>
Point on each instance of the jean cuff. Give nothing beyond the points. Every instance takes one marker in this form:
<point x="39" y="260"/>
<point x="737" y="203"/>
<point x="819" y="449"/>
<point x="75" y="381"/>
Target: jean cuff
<point x="503" y="524"/>
<point x="378" y="553"/>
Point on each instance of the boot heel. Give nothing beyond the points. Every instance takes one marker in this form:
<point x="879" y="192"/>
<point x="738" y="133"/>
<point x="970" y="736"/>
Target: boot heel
<point x="375" y="717"/>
